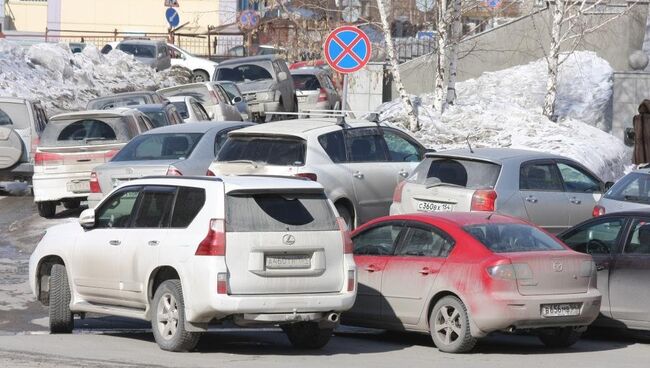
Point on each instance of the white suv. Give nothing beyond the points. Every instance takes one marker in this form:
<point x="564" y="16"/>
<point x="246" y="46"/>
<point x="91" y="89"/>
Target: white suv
<point x="186" y="251"/>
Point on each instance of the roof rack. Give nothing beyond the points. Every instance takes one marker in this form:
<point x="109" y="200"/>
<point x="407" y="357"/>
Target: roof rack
<point x="340" y="115"/>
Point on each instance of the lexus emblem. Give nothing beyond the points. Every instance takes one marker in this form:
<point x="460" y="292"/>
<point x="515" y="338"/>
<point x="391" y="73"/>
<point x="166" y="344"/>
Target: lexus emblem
<point x="558" y="266"/>
<point x="288" y="239"/>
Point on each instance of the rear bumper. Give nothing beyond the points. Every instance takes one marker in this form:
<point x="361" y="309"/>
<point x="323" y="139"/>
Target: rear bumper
<point x="54" y="187"/>
<point x="21" y="171"/>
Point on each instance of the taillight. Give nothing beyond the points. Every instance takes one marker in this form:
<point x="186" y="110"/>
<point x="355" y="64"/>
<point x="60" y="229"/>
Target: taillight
<point x="506" y="271"/>
<point x="222" y="283"/>
<point x="598" y="211"/>
<point x="345" y="233"/>
<point x="48" y="159"/>
<point x="310" y="176"/>
<point x="214" y="243"/>
<point x="397" y="194"/>
<point x="210" y="173"/>
<point x="172" y="171"/>
<point x="351" y="280"/>
<point x="94" y="183"/>
<point x="484" y="200"/>
<point x="322" y="96"/>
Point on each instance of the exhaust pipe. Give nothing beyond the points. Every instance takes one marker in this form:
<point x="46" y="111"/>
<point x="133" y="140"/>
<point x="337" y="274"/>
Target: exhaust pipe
<point x="333" y="317"/>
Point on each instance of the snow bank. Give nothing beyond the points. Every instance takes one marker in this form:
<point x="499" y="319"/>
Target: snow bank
<point x="64" y="81"/>
<point x="504" y="109"/>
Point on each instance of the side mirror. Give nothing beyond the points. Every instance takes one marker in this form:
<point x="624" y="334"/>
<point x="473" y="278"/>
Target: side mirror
<point x="237" y="99"/>
<point x="87" y="218"/>
<point x="282" y="76"/>
<point x="608" y="186"/>
<point x="628" y="137"/>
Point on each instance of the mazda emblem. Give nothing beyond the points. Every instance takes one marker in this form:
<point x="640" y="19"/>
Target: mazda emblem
<point x="288" y="239"/>
<point x="558" y="267"/>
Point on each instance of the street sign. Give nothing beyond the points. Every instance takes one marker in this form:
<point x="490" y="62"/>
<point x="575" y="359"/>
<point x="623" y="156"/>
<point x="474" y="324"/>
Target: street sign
<point x="249" y="19"/>
<point x="492" y="3"/>
<point x="347" y="49"/>
<point x="171" y="3"/>
<point x="172" y="17"/>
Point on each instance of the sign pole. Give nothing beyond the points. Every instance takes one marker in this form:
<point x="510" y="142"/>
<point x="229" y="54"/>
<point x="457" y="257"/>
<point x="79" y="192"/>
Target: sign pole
<point x="344" y="98"/>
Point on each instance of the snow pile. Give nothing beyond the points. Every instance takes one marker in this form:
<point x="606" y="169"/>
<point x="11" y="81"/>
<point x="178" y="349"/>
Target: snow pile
<point x="504" y="109"/>
<point x="64" y="81"/>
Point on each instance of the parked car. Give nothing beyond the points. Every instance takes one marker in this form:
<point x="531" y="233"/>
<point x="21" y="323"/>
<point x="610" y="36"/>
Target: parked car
<point x="186" y="149"/>
<point x="359" y="163"/>
<point x="182" y="252"/>
<point x="620" y="245"/>
<point x="21" y="123"/>
<point x="315" y="90"/>
<point x="153" y="53"/>
<point x="630" y="193"/>
<point x="71" y="146"/>
<point x="161" y="114"/>
<point x="109" y="47"/>
<point x="236" y="98"/>
<point x="77" y="47"/>
<point x="190" y="109"/>
<point x="126" y="99"/>
<point x="212" y="96"/>
<point x="551" y="191"/>
<point x="460" y="276"/>
<point x="337" y="78"/>
<point x="265" y="82"/>
<point x="241" y="51"/>
<point x="202" y="69"/>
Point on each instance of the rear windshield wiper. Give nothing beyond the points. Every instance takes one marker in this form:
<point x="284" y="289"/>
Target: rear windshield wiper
<point x="96" y="139"/>
<point x="250" y="162"/>
<point x="439" y="184"/>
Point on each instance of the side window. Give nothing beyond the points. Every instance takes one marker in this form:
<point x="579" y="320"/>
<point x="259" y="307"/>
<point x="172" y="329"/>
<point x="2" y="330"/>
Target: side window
<point x="639" y="240"/>
<point x="162" y="52"/>
<point x="219" y="140"/>
<point x="155" y="208"/>
<point x="597" y="237"/>
<point x="380" y="240"/>
<point x="539" y="176"/>
<point x="116" y="211"/>
<point x="366" y="145"/>
<point x="420" y="242"/>
<point x="577" y="180"/>
<point x="222" y="95"/>
<point x="334" y="145"/>
<point x="202" y="113"/>
<point x="41" y="119"/>
<point x="147" y="122"/>
<point x="142" y="125"/>
<point x="401" y="149"/>
<point x="189" y="202"/>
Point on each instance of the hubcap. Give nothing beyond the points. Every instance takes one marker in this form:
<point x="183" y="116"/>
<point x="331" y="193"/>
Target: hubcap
<point x="167" y="314"/>
<point x="448" y="325"/>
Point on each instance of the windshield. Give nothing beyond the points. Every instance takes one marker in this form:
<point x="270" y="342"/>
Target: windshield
<point x="305" y="82"/>
<point x="14" y="114"/>
<point x="509" y="238"/>
<point x="168" y="146"/>
<point x="272" y="151"/>
<point x="141" y="51"/>
<point x="246" y="72"/>
<point x="634" y="187"/>
<point x="85" y="131"/>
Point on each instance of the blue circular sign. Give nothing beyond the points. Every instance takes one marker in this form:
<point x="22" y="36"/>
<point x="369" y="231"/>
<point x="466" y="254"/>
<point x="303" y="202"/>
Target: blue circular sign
<point x="347" y="49"/>
<point x="172" y="17"/>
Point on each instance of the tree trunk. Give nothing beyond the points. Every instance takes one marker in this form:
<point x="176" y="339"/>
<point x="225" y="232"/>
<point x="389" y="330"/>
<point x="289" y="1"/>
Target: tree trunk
<point x="441" y="57"/>
<point x="553" y="61"/>
<point x="456" y="33"/>
<point x="413" y="123"/>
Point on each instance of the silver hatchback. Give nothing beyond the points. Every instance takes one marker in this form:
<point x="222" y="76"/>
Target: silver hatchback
<point x="630" y="193"/>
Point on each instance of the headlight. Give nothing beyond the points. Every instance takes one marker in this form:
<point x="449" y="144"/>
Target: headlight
<point x="264" y="96"/>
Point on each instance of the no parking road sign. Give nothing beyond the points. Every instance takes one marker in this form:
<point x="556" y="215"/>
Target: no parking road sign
<point x="347" y="49"/>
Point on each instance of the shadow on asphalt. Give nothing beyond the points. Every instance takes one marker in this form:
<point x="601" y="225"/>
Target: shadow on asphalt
<point x="75" y="212"/>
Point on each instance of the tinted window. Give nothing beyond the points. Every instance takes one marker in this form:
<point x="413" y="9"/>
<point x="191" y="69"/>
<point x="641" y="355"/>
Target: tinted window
<point x="578" y="181"/>
<point x="425" y="243"/>
<point x="634" y="187"/>
<point x="189" y="202"/>
<point x="231" y="90"/>
<point x="155" y="208"/>
<point x="199" y="92"/>
<point x="400" y="149"/>
<point x="41" y="119"/>
<point x="380" y="240"/>
<point x="305" y="82"/>
<point x="279" y="212"/>
<point x="272" y="151"/>
<point x="507" y="238"/>
<point x="334" y="145"/>
<point x="595" y="238"/>
<point x="639" y="241"/>
<point x="219" y="140"/>
<point x="182" y="109"/>
<point x="142" y="51"/>
<point x="168" y="146"/>
<point x="541" y="177"/>
<point x="87" y="130"/>
<point x="158" y="118"/>
<point x="366" y="145"/>
<point x="464" y="173"/>
<point x="245" y="72"/>
<point x="116" y="211"/>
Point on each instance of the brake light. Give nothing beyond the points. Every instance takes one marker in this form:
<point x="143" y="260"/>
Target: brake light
<point x="172" y="171"/>
<point x="310" y="176"/>
<point x="351" y="280"/>
<point x="345" y="233"/>
<point x="484" y="200"/>
<point x="397" y="194"/>
<point x="94" y="183"/>
<point x="598" y="211"/>
<point x="322" y="96"/>
<point x="35" y="143"/>
<point x="515" y="271"/>
<point x="222" y="283"/>
<point x="210" y="173"/>
<point x="48" y="159"/>
<point x="213" y="96"/>
<point x="214" y="243"/>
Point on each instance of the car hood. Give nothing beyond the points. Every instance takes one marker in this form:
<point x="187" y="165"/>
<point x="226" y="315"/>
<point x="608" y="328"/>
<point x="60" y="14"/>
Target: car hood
<point x="257" y="86"/>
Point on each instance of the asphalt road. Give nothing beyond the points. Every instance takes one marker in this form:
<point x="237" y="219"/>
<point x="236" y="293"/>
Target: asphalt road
<point x="117" y="342"/>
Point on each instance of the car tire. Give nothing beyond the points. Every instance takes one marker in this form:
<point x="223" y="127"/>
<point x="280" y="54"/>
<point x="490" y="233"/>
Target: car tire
<point x="199" y="76"/>
<point x="46" y="209"/>
<point x="72" y="204"/>
<point x="345" y="213"/>
<point x="560" y="337"/>
<point x="61" y="318"/>
<point x="168" y="319"/>
<point x="449" y="326"/>
<point x="307" y="335"/>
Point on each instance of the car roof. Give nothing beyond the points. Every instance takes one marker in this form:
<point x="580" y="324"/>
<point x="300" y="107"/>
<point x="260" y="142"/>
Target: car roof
<point x="232" y="183"/>
<point x="19" y="100"/>
<point x="125" y="94"/>
<point x="143" y="42"/>
<point x="496" y="155"/>
<point x="199" y="127"/>
<point x="180" y="98"/>
<point x="299" y="127"/>
<point x="112" y="113"/>
<point x="248" y="59"/>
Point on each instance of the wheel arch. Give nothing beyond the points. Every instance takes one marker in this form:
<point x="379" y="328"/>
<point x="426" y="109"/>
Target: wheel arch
<point x="347" y="203"/>
<point x="475" y="331"/>
<point x="43" y="272"/>
<point x="158" y="276"/>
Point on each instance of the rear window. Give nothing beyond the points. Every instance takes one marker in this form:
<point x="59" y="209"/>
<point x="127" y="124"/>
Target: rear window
<point x="305" y="82"/>
<point x="200" y="92"/>
<point x="169" y="146"/>
<point x="273" y="212"/>
<point x="271" y="151"/>
<point x="464" y="173"/>
<point x="634" y="187"/>
<point x="142" y="51"/>
<point x="14" y="114"/>
<point x="158" y="118"/>
<point x="245" y="72"/>
<point x="86" y="131"/>
<point x="509" y="238"/>
<point x="181" y="107"/>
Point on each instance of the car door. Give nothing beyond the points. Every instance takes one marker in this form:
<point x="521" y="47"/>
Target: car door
<point x="95" y="267"/>
<point x="628" y="283"/>
<point x="602" y="239"/>
<point x="542" y="193"/>
<point x="410" y="274"/>
<point x="373" y="248"/>
<point x="582" y="189"/>
<point x="404" y="154"/>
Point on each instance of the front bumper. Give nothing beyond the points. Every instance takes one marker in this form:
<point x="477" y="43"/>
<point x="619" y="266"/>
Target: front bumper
<point x="54" y="187"/>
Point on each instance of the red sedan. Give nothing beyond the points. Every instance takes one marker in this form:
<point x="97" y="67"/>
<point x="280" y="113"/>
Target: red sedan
<point x="460" y="276"/>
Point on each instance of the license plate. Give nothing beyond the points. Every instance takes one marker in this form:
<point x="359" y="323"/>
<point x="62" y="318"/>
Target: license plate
<point x="288" y="261"/>
<point x="302" y="98"/>
<point x="561" y="310"/>
<point x="78" y="186"/>
<point x="428" y="206"/>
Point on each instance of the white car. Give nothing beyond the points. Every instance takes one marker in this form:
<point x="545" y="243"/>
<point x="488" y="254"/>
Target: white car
<point x="201" y="68"/>
<point x="211" y="96"/>
<point x="182" y="252"/>
<point x="190" y="109"/>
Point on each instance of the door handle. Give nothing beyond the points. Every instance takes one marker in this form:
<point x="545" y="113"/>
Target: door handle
<point x="372" y="268"/>
<point x="425" y="271"/>
<point x="575" y="200"/>
<point x="358" y="175"/>
<point x="403" y="174"/>
<point x="114" y="242"/>
<point x="531" y="199"/>
<point x="153" y="243"/>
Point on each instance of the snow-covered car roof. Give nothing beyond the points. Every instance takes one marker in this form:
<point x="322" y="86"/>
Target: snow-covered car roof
<point x="496" y="155"/>
<point x="200" y="127"/>
<point x="299" y="127"/>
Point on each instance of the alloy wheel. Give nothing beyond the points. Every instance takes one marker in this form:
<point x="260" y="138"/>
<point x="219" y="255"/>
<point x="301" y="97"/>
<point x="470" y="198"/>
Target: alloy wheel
<point x="448" y="324"/>
<point x="167" y="314"/>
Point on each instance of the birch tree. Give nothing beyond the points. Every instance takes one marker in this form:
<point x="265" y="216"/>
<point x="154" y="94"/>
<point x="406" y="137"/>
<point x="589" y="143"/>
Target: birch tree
<point x="456" y="34"/>
<point x="442" y="36"/>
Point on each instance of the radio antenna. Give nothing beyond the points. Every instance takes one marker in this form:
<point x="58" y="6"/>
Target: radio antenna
<point x="468" y="144"/>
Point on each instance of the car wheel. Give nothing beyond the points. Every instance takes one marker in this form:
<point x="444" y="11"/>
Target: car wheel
<point x="560" y="337"/>
<point x="168" y="322"/>
<point x="199" y="76"/>
<point x="449" y="326"/>
<point x="307" y="335"/>
<point x="46" y="209"/>
<point x="345" y="213"/>
<point x="61" y="319"/>
<point x="72" y="204"/>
